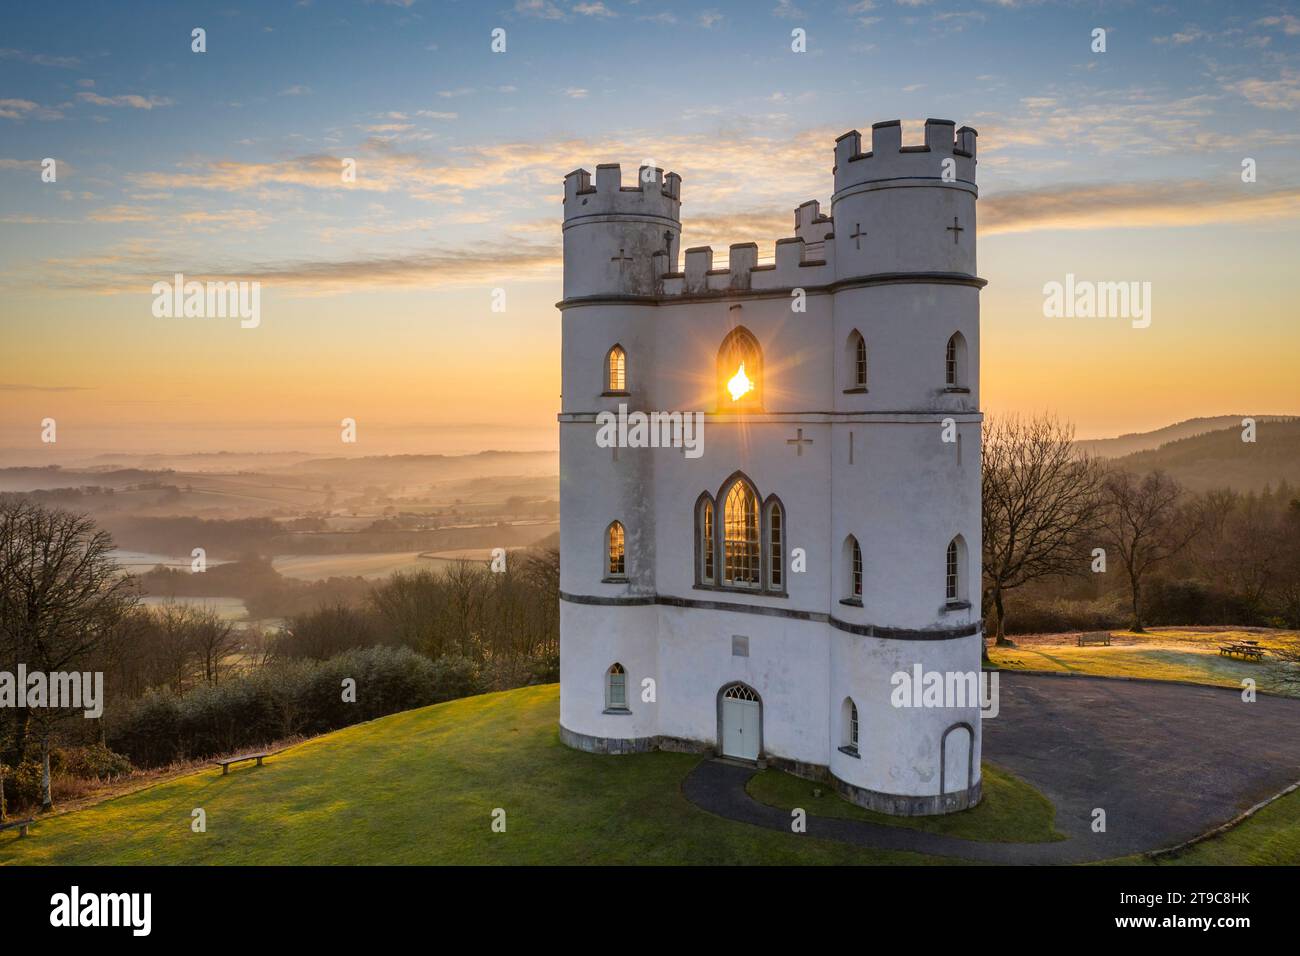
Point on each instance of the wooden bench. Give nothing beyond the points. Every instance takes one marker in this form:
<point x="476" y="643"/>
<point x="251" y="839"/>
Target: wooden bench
<point x="225" y="762"/>
<point x="1250" y="651"/>
<point x="1094" y="637"/>
<point x="20" y="825"/>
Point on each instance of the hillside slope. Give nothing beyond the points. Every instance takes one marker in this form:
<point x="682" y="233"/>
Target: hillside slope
<point x="1220" y="458"/>
<point x="1133" y="442"/>
<point x="419" y="788"/>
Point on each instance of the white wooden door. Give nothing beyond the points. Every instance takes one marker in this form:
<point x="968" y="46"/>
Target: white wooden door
<point x="740" y="728"/>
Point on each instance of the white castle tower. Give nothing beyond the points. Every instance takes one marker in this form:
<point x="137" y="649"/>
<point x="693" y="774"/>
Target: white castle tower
<point x="773" y="598"/>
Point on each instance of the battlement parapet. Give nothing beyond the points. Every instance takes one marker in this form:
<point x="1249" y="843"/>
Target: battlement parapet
<point x="653" y="194"/>
<point x="889" y="161"/>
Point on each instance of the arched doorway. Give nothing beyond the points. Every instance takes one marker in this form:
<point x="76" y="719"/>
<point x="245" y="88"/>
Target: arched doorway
<point x="957" y="758"/>
<point x="740" y="722"/>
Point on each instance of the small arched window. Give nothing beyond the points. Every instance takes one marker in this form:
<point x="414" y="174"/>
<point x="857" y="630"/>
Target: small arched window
<point x="849" y="726"/>
<point x="775" y="546"/>
<point x="955" y="361"/>
<point x="740" y="548"/>
<point x="857" y="360"/>
<point x="853" y="561"/>
<point x="616" y="370"/>
<point x="616" y="563"/>
<point x="954" y="578"/>
<point x="616" y="687"/>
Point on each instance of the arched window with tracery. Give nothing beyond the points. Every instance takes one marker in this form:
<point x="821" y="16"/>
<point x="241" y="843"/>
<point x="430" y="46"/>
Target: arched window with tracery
<point x="706" y="532"/>
<point x="775" y="546"/>
<point x="616" y="370"/>
<point x="740" y="547"/>
<point x="616" y="687"/>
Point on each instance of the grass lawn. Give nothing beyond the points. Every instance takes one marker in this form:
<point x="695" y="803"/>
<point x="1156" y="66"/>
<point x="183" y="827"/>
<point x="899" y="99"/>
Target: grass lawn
<point x="420" y="787"/>
<point x="1174" y="654"/>
<point x="1011" y="811"/>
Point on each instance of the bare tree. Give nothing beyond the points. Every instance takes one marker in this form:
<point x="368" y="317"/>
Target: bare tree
<point x="1146" y="523"/>
<point x="214" y="640"/>
<point x="1041" y="503"/>
<point x="61" y="595"/>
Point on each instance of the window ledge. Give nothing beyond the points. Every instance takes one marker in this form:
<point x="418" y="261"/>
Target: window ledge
<point x="958" y="389"/>
<point x="622" y="394"/>
<point x="956" y="605"/>
<point x="856" y="390"/>
<point x="851" y="752"/>
<point x="852" y="602"/>
<point x="756" y="591"/>
<point x="617" y="712"/>
<point x="615" y="579"/>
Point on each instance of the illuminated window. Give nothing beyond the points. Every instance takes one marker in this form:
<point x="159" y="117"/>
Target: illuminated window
<point x="616" y="365"/>
<point x="616" y="688"/>
<point x="740" y="371"/>
<point x="740" y="536"/>
<point x="617" y="564"/>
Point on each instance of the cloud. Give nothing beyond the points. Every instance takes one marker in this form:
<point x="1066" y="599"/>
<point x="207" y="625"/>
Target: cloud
<point x="542" y="9"/>
<point x="41" y="59"/>
<point x="125" y="99"/>
<point x="16" y="109"/>
<point x="16" y="387"/>
<point x="576" y="93"/>
<point x="1146" y="205"/>
<point x="1289" y="23"/>
<point x="1280" y="94"/>
<point x="593" y="10"/>
<point x="296" y="90"/>
<point x="787" y="10"/>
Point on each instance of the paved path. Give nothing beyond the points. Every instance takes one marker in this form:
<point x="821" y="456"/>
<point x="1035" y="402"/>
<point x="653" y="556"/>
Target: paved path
<point x="1166" y="761"/>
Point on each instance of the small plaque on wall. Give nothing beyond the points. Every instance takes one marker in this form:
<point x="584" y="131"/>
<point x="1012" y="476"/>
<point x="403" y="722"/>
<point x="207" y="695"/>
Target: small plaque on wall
<point x="739" y="646"/>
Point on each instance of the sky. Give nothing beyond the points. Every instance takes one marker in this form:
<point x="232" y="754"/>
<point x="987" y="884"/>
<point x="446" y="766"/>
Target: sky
<point x="376" y="295"/>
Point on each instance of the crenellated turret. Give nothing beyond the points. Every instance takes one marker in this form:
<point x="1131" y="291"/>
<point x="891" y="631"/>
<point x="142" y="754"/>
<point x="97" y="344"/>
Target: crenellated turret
<point x="620" y="240"/>
<point x="905" y="209"/>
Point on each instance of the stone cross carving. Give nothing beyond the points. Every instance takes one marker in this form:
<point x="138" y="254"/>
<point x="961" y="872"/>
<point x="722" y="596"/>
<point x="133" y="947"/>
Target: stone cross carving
<point x="798" y="443"/>
<point x="954" y="229"/>
<point x="857" y="236"/>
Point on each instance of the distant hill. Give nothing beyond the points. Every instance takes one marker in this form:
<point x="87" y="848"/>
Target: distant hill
<point x="1220" y="458"/>
<point x="1146" y="441"/>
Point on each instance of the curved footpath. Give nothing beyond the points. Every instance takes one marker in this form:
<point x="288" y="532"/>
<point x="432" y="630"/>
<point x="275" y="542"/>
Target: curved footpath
<point x="1166" y="761"/>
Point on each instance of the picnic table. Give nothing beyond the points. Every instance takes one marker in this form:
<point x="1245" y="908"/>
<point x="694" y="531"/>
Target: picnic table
<point x="1247" y="650"/>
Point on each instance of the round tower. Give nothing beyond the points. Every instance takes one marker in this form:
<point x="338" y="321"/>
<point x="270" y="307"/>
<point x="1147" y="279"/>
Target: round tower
<point x="906" y="478"/>
<point x="619" y="241"/>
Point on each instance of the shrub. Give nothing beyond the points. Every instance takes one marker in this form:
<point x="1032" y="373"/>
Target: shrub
<point x="287" y="699"/>
<point x="93" y="762"/>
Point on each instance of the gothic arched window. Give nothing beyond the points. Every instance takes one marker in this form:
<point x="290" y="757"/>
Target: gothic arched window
<point x="740" y="371"/>
<point x="857" y="357"/>
<point x="616" y="370"/>
<point x="616" y="687"/>
<point x="706" y="531"/>
<point x="954" y="579"/>
<point x="740" y="550"/>
<point x="853" y="568"/>
<point x="955" y="362"/>
<point x="775" y="546"/>
<point x="616" y="557"/>
<point x="849" y="727"/>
